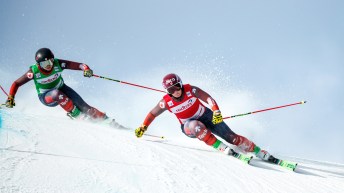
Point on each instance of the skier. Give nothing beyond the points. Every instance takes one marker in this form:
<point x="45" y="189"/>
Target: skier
<point x="196" y="119"/>
<point x="52" y="90"/>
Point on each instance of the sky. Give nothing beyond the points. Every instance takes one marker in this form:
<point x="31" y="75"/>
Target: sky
<point x="248" y="55"/>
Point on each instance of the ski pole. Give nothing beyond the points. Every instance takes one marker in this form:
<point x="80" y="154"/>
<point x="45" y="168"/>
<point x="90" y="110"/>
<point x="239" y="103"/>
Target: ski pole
<point x="1" y="107"/>
<point x="3" y="90"/>
<point x="268" y="109"/>
<point x="128" y="83"/>
<point x="161" y="137"/>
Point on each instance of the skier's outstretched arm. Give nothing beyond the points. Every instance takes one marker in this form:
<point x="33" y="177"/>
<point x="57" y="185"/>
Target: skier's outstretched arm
<point x="66" y="64"/>
<point x="15" y="86"/>
<point x="205" y="97"/>
<point x="156" y="111"/>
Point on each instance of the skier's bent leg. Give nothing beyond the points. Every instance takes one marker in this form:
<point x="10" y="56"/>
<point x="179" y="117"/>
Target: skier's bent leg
<point x="222" y="130"/>
<point x="54" y="97"/>
<point x="194" y="128"/>
<point x="248" y="146"/>
<point x="65" y="102"/>
<point x="92" y="112"/>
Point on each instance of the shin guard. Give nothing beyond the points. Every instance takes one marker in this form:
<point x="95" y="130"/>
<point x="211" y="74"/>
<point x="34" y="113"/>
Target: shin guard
<point x="65" y="103"/>
<point x="205" y="135"/>
<point x="243" y="143"/>
<point x="95" y="114"/>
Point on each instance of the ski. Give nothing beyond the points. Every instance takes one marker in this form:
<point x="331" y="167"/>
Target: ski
<point x="107" y="121"/>
<point x="112" y="123"/>
<point x="242" y="157"/>
<point x="283" y="163"/>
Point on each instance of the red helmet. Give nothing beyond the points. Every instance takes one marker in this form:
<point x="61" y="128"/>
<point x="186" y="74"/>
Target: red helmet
<point x="171" y="83"/>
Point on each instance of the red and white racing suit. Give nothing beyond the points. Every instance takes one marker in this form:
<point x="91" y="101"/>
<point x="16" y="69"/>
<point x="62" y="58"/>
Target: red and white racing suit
<point x="189" y="108"/>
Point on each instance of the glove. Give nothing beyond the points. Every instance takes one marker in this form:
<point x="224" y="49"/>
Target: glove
<point x="88" y="73"/>
<point x="10" y="102"/>
<point x="217" y="117"/>
<point x="139" y="131"/>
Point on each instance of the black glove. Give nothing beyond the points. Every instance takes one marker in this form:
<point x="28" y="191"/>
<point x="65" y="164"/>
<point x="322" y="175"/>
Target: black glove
<point x="10" y="102"/>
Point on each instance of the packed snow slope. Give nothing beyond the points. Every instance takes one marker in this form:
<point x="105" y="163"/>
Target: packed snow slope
<point x="55" y="154"/>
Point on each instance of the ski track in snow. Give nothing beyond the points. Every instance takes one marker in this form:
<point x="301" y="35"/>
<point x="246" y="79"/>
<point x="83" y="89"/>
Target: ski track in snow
<point x="61" y="155"/>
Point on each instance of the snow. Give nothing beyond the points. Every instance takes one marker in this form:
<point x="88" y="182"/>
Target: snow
<point x="55" y="154"/>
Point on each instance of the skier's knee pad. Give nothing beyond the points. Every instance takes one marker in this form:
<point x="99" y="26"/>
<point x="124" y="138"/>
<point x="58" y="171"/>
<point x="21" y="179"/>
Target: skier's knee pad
<point x="197" y="129"/>
<point x="54" y="94"/>
<point x="191" y="127"/>
<point x="50" y="98"/>
<point x="63" y="100"/>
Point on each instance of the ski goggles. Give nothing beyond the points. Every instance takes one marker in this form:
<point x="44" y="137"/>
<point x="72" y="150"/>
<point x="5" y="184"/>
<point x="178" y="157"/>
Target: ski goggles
<point x="174" y="88"/>
<point x="47" y="63"/>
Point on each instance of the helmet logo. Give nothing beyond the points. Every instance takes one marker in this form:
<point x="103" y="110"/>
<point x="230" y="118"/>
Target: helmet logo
<point x="170" y="81"/>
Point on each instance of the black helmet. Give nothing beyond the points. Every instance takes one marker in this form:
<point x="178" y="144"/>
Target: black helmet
<point x="43" y="54"/>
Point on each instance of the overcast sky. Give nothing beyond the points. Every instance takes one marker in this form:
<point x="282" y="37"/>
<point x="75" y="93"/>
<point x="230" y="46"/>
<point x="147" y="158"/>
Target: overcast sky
<point x="248" y="55"/>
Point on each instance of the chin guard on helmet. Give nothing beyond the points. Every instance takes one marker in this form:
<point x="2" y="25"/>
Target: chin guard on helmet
<point x="47" y="64"/>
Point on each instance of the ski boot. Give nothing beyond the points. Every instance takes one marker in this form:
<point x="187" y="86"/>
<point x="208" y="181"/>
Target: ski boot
<point x="283" y="163"/>
<point x="76" y="114"/>
<point x="221" y="147"/>
<point x="262" y="154"/>
<point x="229" y="151"/>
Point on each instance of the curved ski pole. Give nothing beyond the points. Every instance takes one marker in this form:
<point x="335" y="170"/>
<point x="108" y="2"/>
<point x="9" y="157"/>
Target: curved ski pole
<point x="128" y="83"/>
<point x="268" y="109"/>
